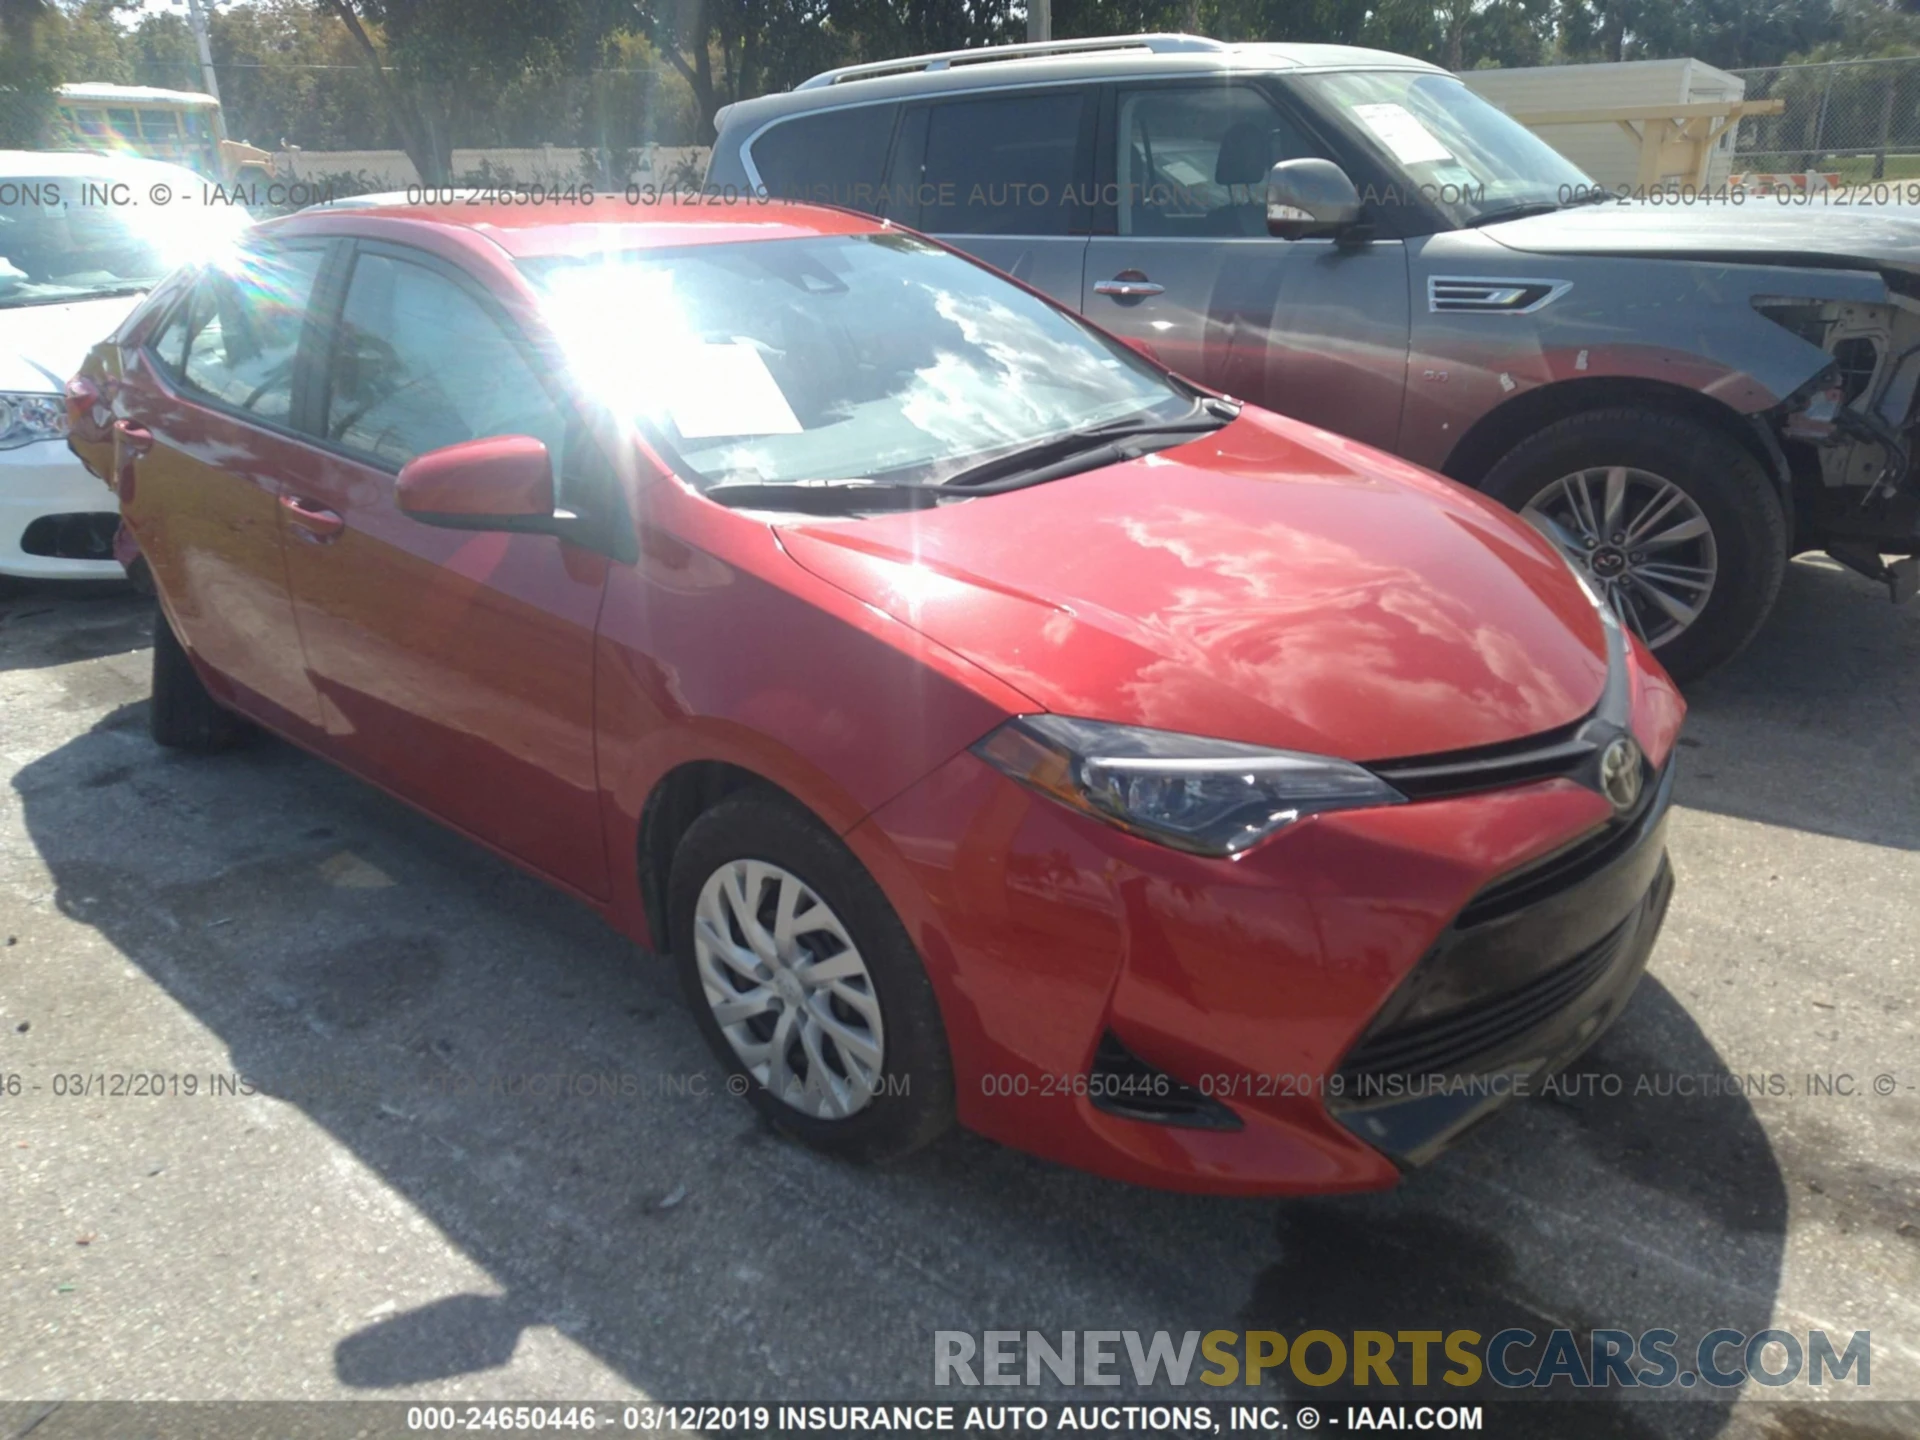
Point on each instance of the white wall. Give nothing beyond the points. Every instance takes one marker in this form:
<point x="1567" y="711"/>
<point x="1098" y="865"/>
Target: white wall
<point x="541" y="165"/>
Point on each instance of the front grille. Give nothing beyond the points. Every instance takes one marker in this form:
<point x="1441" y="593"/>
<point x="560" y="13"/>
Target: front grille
<point x="1567" y="867"/>
<point x="1452" y="1042"/>
<point x="1565" y="751"/>
<point x="1526" y="947"/>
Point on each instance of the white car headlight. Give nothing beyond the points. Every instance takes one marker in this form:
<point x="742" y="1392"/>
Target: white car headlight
<point x="27" y="418"/>
<point x="1210" y="797"/>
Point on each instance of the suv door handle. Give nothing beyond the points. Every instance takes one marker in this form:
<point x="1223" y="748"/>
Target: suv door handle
<point x="317" y="524"/>
<point x="137" y="438"/>
<point x="1128" y="285"/>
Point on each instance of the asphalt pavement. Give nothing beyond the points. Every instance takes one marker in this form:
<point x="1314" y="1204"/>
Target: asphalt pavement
<point x="385" y="1181"/>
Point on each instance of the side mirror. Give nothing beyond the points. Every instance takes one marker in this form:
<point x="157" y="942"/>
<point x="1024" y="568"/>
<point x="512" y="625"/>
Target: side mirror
<point x="504" y="482"/>
<point x="1309" y="198"/>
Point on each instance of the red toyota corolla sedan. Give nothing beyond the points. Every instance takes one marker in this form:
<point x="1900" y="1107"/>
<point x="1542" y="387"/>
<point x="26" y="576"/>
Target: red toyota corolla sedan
<point x="991" y="725"/>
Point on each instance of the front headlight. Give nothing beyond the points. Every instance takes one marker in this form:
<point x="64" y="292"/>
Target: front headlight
<point x="1210" y="797"/>
<point x="27" y="418"/>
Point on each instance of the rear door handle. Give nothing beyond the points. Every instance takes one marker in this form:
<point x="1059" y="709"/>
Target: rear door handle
<point x="316" y="523"/>
<point x="1128" y="289"/>
<point x="135" y="441"/>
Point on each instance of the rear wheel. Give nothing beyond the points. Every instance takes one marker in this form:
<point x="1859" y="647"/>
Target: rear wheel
<point x="806" y="984"/>
<point x="183" y="716"/>
<point x="1677" y="525"/>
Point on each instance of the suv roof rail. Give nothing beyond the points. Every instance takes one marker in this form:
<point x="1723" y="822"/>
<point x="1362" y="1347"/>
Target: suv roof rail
<point x="1157" y="44"/>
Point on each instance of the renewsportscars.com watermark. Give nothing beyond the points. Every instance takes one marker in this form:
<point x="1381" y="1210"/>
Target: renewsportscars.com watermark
<point x="1514" y="1359"/>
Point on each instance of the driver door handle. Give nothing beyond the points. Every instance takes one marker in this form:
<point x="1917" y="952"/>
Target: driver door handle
<point x="1132" y="286"/>
<point x="316" y="524"/>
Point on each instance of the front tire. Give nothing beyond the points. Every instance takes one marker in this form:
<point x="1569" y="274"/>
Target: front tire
<point x="1677" y="524"/>
<point x="805" y="982"/>
<point x="183" y="716"/>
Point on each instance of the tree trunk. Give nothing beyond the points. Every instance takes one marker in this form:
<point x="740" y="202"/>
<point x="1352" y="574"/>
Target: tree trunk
<point x="1613" y="36"/>
<point x="1886" y="127"/>
<point x="698" y="74"/>
<point x="430" y="152"/>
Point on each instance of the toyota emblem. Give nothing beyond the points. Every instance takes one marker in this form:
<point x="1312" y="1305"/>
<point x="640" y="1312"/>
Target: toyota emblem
<point x="1620" y="772"/>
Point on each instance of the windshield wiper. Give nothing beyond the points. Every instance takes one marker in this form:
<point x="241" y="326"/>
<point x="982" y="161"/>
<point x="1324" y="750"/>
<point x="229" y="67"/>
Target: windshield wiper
<point x="1087" y="449"/>
<point x="1514" y="212"/>
<point x="12" y="301"/>
<point x="822" y="497"/>
<point x="1068" y="454"/>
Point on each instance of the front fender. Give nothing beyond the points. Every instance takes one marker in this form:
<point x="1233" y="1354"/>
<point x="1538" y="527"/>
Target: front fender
<point x="1678" y="323"/>
<point x="716" y="646"/>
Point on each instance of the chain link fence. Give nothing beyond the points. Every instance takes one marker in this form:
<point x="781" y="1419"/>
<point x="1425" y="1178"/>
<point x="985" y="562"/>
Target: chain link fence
<point x="1859" y="119"/>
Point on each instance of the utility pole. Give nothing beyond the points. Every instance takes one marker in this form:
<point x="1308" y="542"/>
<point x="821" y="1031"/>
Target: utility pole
<point x="1039" y="19"/>
<point x="197" y="19"/>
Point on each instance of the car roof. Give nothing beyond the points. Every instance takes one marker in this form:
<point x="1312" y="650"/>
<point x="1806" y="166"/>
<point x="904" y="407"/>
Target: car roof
<point x="996" y="67"/>
<point x="607" y="224"/>
<point x="101" y="93"/>
<point x="54" y="164"/>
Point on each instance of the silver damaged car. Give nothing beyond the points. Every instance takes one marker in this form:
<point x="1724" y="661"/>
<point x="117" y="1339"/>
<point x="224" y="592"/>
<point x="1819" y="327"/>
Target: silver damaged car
<point x="1682" y="391"/>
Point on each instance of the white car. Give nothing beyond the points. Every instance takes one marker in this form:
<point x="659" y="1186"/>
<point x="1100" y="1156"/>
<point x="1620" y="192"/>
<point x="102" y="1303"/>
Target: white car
<point x="82" y="238"/>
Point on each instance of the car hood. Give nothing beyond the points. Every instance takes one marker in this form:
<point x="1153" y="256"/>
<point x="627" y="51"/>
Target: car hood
<point x="1268" y="583"/>
<point x="1760" y="231"/>
<point x="42" y="346"/>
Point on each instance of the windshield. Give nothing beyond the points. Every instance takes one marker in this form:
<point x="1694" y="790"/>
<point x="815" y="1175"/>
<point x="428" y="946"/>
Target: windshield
<point x="1458" y="152"/>
<point x="63" y="239"/>
<point x="869" y="357"/>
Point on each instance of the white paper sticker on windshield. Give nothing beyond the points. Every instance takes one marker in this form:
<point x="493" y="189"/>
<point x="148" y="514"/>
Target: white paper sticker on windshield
<point x="1400" y="130"/>
<point x="726" y="390"/>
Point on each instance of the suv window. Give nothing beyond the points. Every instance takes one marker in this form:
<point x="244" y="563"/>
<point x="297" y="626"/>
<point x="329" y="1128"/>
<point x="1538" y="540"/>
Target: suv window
<point x="1195" y="162"/>
<point x="1000" y="165"/>
<point x="419" y="363"/>
<point x="235" y="338"/>
<point x="830" y="159"/>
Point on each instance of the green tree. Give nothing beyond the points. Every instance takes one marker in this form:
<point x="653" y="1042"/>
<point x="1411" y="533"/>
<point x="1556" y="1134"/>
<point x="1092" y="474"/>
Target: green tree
<point x="27" y="76"/>
<point x="436" y="63"/>
<point x="290" y="73"/>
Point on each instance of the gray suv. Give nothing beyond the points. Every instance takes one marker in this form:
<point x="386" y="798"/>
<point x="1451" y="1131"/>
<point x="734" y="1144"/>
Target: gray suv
<point x="1682" y="391"/>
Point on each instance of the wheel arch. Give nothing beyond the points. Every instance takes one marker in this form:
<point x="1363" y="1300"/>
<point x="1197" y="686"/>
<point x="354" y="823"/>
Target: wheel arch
<point x="678" y="798"/>
<point x="1494" y="434"/>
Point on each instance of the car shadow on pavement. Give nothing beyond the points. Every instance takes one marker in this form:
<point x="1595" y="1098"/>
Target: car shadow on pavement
<point x="49" y="622"/>
<point x="524" y="1081"/>
<point x="1829" y="689"/>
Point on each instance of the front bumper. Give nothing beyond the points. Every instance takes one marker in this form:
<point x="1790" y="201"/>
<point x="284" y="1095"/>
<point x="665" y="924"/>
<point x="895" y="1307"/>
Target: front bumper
<point x="1529" y="975"/>
<point x="1512" y="921"/>
<point x="47" y="501"/>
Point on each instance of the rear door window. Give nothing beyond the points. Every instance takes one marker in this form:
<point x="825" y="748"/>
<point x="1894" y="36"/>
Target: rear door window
<point x="834" y="158"/>
<point x="239" y="332"/>
<point x="1000" y="165"/>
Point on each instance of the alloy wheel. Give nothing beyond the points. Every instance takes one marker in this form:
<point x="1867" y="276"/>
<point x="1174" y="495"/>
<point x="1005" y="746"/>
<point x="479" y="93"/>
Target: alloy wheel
<point x="1642" y="541"/>
<point x="788" y="989"/>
